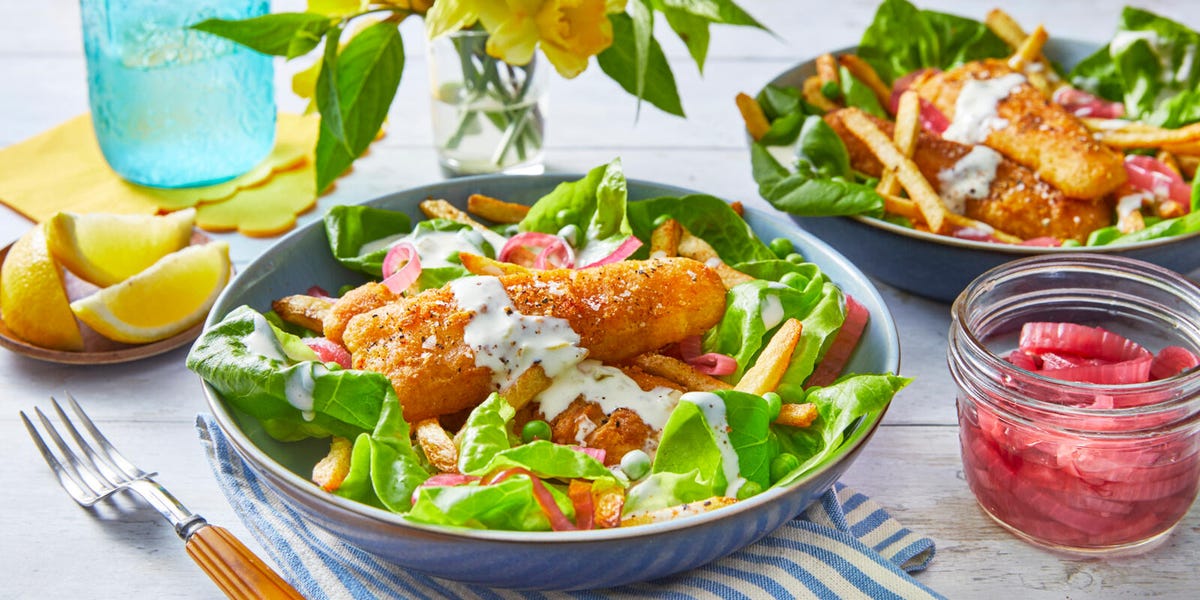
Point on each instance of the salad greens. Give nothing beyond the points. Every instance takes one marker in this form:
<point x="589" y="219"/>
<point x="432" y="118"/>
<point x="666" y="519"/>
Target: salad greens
<point x="715" y="444"/>
<point x="1151" y="66"/>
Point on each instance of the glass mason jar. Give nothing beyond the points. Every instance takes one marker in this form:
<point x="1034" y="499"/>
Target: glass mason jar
<point x="172" y="106"/>
<point x="1081" y="468"/>
<point x="488" y="116"/>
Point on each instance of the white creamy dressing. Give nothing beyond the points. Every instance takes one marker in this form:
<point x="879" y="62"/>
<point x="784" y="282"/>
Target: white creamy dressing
<point x="300" y="386"/>
<point x="508" y="342"/>
<point x="968" y="179"/>
<point x="975" y="110"/>
<point x="772" y="311"/>
<point x="609" y="388"/>
<point x="262" y="340"/>
<point x="436" y="248"/>
<point x="713" y="408"/>
<point x="1130" y="204"/>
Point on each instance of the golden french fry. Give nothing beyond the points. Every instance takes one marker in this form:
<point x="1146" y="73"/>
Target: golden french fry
<point x="438" y="446"/>
<point x="907" y="208"/>
<point x="739" y="208"/>
<point x="1152" y="137"/>
<point x="664" y="240"/>
<point x="827" y="70"/>
<point x="1130" y="222"/>
<point x="679" y="372"/>
<point x="773" y="361"/>
<point x="482" y="265"/>
<point x="864" y="72"/>
<point x="675" y="512"/>
<point x="306" y="311"/>
<point x="697" y="249"/>
<point x="1188" y="149"/>
<point x="607" y="506"/>
<point x="908" y="127"/>
<point x="440" y="209"/>
<point x="1005" y="27"/>
<point x="811" y="91"/>
<point x="494" y="210"/>
<point x="1029" y="50"/>
<point x="919" y="189"/>
<point x="797" y="415"/>
<point x="757" y="124"/>
<point x="331" y="471"/>
<point x="526" y="387"/>
<point x="1188" y="164"/>
<point x="1168" y="159"/>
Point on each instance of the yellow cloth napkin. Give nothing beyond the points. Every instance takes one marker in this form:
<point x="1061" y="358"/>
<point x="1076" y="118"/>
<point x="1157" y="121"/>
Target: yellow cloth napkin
<point x="63" y="170"/>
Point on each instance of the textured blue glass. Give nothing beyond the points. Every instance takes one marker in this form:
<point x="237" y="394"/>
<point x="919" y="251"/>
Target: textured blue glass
<point x="174" y="107"/>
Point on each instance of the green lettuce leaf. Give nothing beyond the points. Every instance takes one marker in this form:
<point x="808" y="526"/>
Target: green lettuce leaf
<point x="902" y="38"/>
<point x="350" y="227"/>
<point x="804" y="193"/>
<point x="593" y="206"/>
<point x="508" y="505"/>
<point x="1150" y="65"/>
<point x="384" y="466"/>
<point x="244" y="358"/>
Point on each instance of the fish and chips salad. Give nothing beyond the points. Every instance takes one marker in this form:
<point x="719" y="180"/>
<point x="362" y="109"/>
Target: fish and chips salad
<point x="964" y="128"/>
<point x="584" y="362"/>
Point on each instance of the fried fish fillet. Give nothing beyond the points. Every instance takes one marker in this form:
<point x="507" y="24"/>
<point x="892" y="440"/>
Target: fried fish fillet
<point x="618" y="310"/>
<point x="1039" y="134"/>
<point x="1017" y="201"/>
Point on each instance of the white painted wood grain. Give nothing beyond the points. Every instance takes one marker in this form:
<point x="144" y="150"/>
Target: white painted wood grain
<point x="53" y="549"/>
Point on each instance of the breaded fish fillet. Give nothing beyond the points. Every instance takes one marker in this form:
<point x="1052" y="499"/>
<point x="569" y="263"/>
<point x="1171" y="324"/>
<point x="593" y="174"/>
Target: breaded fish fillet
<point x="618" y="311"/>
<point x="1016" y="201"/>
<point x="1039" y="134"/>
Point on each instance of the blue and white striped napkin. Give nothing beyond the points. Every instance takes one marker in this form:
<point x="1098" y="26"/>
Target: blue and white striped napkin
<point x="845" y="546"/>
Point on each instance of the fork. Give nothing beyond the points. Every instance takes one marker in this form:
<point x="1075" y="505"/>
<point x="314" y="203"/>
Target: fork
<point x="100" y="471"/>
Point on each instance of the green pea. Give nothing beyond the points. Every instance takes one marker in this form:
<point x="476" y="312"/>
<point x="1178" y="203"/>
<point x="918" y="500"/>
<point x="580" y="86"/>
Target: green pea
<point x="635" y="464"/>
<point x="535" y="430"/>
<point x="831" y="90"/>
<point x="783" y="464"/>
<point x="660" y="219"/>
<point x="774" y="403"/>
<point x="782" y="247"/>
<point x="795" y="258"/>
<point x="749" y="489"/>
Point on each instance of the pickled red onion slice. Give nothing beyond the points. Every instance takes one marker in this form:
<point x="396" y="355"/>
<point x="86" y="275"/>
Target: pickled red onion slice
<point x="558" y="520"/>
<point x="444" y="479"/>
<point x="1152" y="175"/>
<point x="1083" y="104"/>
<point x="1135" y="370"/>
<point x="835" y="359"/>
<point x="1172" y="361"/>
<point x="624" y="251"/>
<point x="711" y="363"/>
<point x="1079" y="340"/>
<point x="596" y="453"/>
<point x="401" y="267"/>
<point x="329" y="351"/>
<point x="549" y="247"/>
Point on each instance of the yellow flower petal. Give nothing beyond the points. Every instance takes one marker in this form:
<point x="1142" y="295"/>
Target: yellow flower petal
<point x="572" y="31"/>
<point x="447" y="16"/>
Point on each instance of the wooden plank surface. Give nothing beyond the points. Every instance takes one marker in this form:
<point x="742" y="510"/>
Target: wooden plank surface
<point x="52" y="549"/>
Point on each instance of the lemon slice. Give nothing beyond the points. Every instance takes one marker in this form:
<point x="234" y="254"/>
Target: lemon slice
<point x="107" y="249"/>
<point x="32" y="296"/>
<point x="169" y="297"/>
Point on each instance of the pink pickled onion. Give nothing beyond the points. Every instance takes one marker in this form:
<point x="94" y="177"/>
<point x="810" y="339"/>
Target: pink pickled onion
<point x="1136" y="370"/>
<point x="319" y="292"/>
<point x="1150" y="174"/>
<point x="558" y="520"/>
<point x="1079" y="340"/>
<point x="624" y="251"/>
<point x="844" y="343"/>
<point x="329" y="351"/>
<point x="444" y="479"/>
<point x="401" y="267"/>
<point x="548" y="246"/>
<point x="931" y="119"/>
<point x="1083" y="104"/>
<point x="1046" y="241"/>
<point x="596" y="453"/>
<point x="1171" y="361"/>
<point x="711" y="363"/>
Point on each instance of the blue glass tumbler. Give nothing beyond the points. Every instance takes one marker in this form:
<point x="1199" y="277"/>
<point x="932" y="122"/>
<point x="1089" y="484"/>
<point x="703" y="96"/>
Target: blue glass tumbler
<point x="171" y="106"/>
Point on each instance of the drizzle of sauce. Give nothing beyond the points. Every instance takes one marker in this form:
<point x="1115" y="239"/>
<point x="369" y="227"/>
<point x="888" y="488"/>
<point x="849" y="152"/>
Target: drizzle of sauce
<point x="713" y="409"/>
<point x="301" y="385"/>
<point x="262" y="340"/>
<point x="611" y="389"/>
<point x="969" y="179"/>
<point x="975" y="109"/>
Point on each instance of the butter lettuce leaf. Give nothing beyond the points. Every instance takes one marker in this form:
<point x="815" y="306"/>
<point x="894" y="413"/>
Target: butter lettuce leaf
<point x="350" y="227"/>
<point x="594" y="205"/>
<point x="706" y="217"/>
<point x="508" y="505"/>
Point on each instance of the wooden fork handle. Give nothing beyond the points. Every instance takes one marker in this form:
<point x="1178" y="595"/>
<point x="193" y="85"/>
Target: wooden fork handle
<point x="234" y="568"/>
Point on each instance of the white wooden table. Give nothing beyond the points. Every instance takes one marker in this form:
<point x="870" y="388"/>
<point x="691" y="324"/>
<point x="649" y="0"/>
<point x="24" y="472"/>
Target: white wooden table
<point x="49" y="548"/>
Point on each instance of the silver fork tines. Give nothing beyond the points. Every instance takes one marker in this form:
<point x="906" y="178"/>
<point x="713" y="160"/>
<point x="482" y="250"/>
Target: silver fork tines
<point x="90" y="476"/>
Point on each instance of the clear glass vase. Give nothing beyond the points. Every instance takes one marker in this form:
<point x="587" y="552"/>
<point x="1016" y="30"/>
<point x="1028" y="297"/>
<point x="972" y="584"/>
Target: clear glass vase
<point x="488" y="116"/>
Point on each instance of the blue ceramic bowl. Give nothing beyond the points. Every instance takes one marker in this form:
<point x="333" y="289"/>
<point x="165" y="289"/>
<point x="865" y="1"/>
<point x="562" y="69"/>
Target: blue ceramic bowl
<point x="939" y="267"/>
<point x="527" y="560"/>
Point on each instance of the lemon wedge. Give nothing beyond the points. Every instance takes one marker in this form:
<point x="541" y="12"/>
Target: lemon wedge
<point x="107" y="249"/>
<point x="32" y="296"/>
<point x="169" y="297"/>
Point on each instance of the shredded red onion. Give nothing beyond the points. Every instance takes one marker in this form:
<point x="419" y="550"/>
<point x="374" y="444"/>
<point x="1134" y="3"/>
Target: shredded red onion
<point x="401" y="267"/>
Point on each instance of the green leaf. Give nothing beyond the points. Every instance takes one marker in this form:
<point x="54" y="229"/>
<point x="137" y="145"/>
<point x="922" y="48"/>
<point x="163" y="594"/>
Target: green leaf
<point x="857" y="94"/>
<point x="706" y="217"/>
<point x="821" y="150"/>
<point x="354" y="91"/>
<point x="620" y="62"/>
<point x="595" y="205"/>
<point x="902" y="38"/>
<point x="643" y="35"/>
<point x="802" y="193"/>
<point x="350" y="227"/>
<point x="692" y="31"/>
<point x="725" y="12"/>
<point x="281" y="34"/>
